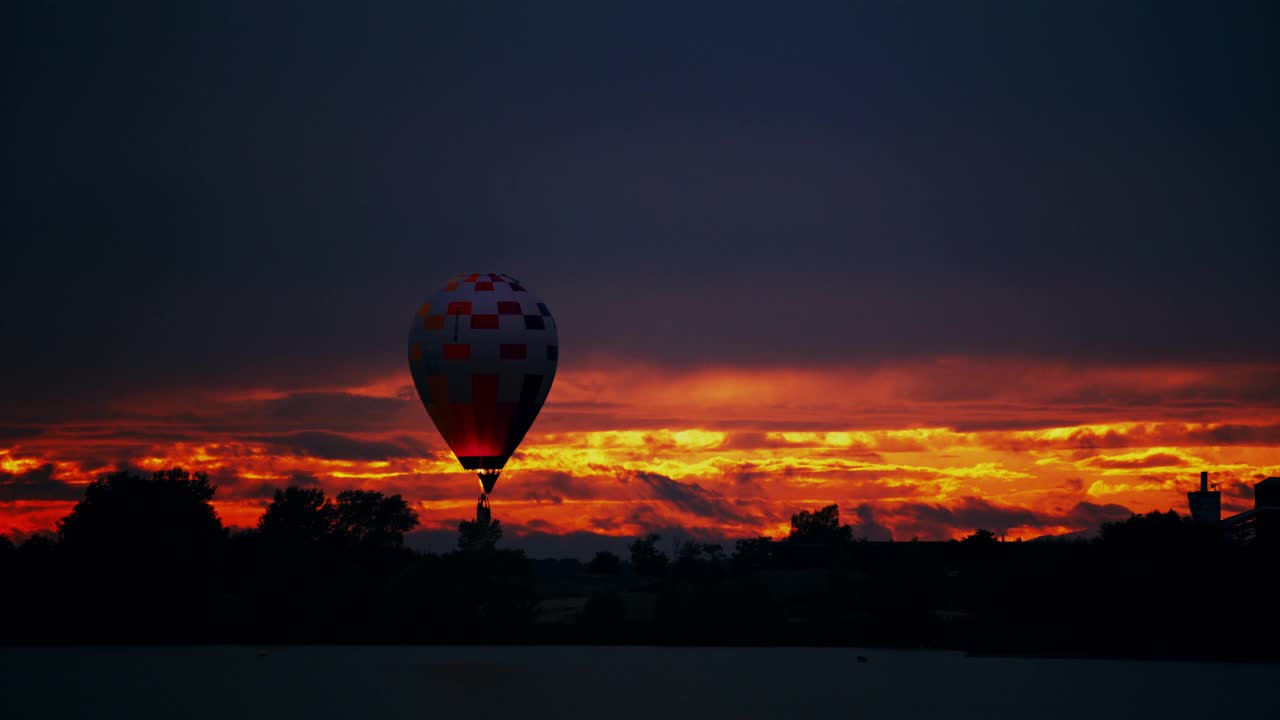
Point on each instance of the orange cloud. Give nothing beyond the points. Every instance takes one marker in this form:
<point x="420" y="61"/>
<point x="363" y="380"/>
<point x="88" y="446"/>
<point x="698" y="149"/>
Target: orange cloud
<point x="928" y="449"/>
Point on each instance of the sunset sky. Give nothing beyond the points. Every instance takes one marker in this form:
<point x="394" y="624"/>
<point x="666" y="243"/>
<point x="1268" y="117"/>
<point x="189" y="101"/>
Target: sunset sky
<point x="1011" y="267"/>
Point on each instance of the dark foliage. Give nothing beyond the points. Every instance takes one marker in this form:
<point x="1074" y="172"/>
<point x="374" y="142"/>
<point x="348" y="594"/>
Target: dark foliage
<point x="981" y="536"/>
<point x="646" y="558"/>
<point x="477" y="536"/>
<point x="124" y="513"/>
<point x="369" y="520"/>
<point x="695" y="559"/>
<point x="143" y="553"/>
<point x="1158" y="531"/>
<point x="820" y="527"/>
<point x="151" y="561"/>
<point x="299" y="516"/>
<point x="604" y="611"/>
<point x="359" y="518"/>
<point x="752" y="555"/>
<point x="605" y="563"/>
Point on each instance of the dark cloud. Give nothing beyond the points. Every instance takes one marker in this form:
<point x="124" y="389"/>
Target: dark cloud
<point x="647" y="515"/>
<point x="37" y="484"/>
<point x="292" y="413"/>
<point x="544" y="497"/>
<point x="935" y="521"/>
<point x="335" y="446"/>
<point x="865" y="525"/>
<point x="1162" y="434"/>
<point x="335" y="411"/>
<point x="749" y="440"/>
<point x="898" y="208"/>
<point x="1255" y="435"/>
<point x="10" y="433"/>
<point x="1256" y="385"/>
<point x="1090" y="516"/>
<point x="1238" y="489"/>
<point x="687" y="497"/>
<point x="235" y="487"/>
<point x="555" y="487"/>
<point x="1003" y="422"/>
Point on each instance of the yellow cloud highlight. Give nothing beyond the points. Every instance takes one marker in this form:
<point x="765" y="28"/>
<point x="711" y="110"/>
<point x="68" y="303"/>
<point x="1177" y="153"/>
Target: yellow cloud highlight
<point x="754" y="444"/>
<point x="15" y="465"/>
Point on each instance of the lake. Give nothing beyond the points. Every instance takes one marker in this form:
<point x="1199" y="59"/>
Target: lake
<point x="610" y="683"/>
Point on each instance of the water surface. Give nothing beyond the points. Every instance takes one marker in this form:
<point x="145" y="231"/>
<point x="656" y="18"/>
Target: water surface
<point x="610" y="683"/>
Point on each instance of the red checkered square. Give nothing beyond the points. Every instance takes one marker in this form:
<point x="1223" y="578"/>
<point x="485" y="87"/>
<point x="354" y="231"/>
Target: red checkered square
<point x="484" y="322"/>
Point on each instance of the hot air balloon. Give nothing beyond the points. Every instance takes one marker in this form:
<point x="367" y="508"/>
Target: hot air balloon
<point x="483" y="352"/>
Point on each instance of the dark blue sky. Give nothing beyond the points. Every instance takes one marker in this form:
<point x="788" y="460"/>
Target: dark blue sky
<point x="244" y="196"/>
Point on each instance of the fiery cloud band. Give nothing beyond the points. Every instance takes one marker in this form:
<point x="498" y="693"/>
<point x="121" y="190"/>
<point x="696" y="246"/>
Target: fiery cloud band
<point x="930" y="450"/>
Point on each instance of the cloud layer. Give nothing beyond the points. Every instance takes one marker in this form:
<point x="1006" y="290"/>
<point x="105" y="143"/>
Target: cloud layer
<point x="930" y="450"/>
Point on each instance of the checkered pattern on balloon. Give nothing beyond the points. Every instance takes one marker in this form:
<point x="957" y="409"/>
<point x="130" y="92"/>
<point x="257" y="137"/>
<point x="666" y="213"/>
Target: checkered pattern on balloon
<point x="483" y="352"/>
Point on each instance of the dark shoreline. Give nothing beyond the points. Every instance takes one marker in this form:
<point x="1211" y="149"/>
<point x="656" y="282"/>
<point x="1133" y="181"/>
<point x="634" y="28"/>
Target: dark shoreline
<point x="1010" y="654"/>
<point x="989" y="652"/>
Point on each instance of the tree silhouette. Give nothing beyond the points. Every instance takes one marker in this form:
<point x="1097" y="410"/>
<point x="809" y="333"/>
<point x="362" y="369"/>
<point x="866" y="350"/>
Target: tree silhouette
<point x="646" y="558"/>
<point x="714" y="552"/>
<point x="361" y="518"/>
<point x="128" y="515"/>
<point x="298" y="516"/>
<point x="478" y="535"/>
<point x="368" y="519"/>
<point x="146" y="550"/>
<point x="981" y="536"/>
<point x="38" y="547"/>
<point x="820" y="527"/>
<point x="694" y="559"/>
<point x="1154" y="529"/>
<point x="752" y="555"/>
<point x="605" y="563"/>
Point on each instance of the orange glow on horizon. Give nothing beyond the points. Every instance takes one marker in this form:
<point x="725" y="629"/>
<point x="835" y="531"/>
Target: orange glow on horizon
<point x="932" y="451"/>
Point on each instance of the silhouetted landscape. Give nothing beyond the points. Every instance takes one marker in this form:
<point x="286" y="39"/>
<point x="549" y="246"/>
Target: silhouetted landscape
<point x="147" y="560"/>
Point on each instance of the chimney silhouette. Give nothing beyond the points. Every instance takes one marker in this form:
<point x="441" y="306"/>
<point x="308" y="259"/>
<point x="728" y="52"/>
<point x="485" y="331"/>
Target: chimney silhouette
<point x="1206" y="505"/>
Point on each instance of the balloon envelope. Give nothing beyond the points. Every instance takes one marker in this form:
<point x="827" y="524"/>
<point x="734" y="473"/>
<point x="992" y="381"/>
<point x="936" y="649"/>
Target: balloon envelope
<point x="483" y="352"/>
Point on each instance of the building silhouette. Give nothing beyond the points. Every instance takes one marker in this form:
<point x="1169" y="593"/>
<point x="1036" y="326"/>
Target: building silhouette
<point x="1262" y="523"/>
<point x="1258" y="525"/>
<point x="1206" y="504"/>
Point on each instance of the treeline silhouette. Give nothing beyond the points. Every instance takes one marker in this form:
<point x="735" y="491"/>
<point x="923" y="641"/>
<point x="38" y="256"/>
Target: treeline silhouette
<point x="146" y="560"/>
